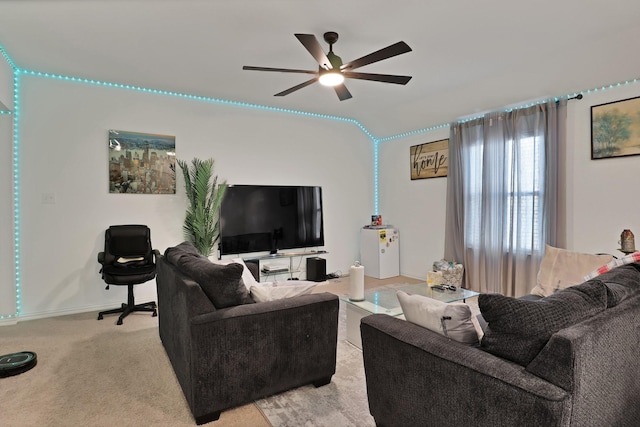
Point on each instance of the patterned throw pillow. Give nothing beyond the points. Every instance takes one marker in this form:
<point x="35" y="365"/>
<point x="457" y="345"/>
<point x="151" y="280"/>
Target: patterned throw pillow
<point x="634" y="257"/>
<point x="518" y="329"/>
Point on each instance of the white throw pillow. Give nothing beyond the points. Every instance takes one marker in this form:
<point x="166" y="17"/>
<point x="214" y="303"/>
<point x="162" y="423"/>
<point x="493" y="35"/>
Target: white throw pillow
<point x="453" y="320"/>
<point x="247" y="277"/>
<point x="269" y="291"/>
<point x="561" y="268"/>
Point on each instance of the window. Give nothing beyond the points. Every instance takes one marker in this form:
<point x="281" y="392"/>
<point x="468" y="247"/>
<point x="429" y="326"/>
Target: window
<point x="504" y="195"/>
<point x="512" y="195"/>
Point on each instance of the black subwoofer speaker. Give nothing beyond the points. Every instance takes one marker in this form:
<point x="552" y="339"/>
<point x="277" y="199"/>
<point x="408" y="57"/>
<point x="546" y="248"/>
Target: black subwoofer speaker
<point x="316" y="269"/>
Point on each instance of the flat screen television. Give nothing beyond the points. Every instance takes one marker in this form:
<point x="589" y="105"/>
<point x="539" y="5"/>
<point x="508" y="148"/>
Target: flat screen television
<point x="257" y="218"/>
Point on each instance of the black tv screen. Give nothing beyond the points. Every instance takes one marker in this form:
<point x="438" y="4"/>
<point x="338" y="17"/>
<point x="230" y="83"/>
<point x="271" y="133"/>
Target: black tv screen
<point x="257" y="218"/>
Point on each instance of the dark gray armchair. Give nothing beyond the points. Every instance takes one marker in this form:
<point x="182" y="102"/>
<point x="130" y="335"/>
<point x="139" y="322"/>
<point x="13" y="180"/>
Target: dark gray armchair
<point x="232" y="356"/>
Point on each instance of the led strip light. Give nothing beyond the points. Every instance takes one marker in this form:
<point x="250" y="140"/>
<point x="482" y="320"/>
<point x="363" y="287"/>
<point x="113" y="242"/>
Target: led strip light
<point x="15" y="187"/>
<point x="17" y="72"/>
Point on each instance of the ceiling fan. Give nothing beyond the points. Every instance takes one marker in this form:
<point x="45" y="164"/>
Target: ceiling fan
<point x="332" y="71"/>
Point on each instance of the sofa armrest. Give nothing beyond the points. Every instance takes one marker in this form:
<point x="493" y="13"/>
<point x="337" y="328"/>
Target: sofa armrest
<point x="251" y="351"/>
<point x="262" y="308"/>
<point x="414" y="375"/>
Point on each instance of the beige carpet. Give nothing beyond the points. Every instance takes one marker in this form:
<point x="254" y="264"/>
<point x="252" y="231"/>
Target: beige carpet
<point x="94" y="373"/>
<point x="341" y="403"/>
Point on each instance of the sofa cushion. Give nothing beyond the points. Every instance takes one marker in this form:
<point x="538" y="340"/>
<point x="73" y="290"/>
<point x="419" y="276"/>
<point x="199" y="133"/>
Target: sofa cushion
<point x="453" y="320"/>
<point x="518" y="329"/>
<point x="221" y="283"/>
<point x="270" y="291"/>
<point x="247" y="276"/>
<point x="561" y="268"/>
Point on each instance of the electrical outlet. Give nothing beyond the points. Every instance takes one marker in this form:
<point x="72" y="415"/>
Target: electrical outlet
<point x="48" y="198"/>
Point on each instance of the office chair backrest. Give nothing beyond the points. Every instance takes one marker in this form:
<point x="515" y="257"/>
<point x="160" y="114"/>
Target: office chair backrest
<point x="128" y="241"/>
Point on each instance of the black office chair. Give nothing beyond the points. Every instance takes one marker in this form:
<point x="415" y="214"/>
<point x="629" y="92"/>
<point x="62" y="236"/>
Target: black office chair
<point x="128" y="259"/>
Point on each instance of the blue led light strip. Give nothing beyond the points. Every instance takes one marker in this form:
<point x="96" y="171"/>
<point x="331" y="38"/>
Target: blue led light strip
<point x="226" y="102"/>
<point x="6" y="56"/>
<point x="376" y="174"/>
<point x="16" y="180"/>
<point x="16" y="189"/>
<point x="193" y="97"/>
<point x="16" y="137"/>
<point x="567" y="96"/>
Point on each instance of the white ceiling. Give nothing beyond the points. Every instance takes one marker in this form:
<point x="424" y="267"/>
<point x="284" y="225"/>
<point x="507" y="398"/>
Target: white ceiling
<point x="468" y="56"/>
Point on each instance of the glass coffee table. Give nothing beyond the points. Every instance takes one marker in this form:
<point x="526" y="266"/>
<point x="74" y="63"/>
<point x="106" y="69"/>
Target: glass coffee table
<point x="385" y="301"/>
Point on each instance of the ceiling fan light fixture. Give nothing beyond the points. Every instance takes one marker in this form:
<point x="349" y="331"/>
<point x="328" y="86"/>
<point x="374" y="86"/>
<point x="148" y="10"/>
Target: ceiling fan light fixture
<point x="332" y="72"/>
<point x="331" y="78"/>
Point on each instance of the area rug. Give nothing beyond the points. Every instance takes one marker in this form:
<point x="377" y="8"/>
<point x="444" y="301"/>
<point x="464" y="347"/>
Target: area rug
<point x="343" y="402"/>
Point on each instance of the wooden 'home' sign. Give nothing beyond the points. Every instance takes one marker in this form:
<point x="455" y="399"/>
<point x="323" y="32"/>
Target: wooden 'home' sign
<point x="430" y="160"/>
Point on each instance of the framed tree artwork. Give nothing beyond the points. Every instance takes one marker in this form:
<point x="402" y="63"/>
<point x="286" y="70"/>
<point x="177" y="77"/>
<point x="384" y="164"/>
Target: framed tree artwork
<point x="615" y="129"/>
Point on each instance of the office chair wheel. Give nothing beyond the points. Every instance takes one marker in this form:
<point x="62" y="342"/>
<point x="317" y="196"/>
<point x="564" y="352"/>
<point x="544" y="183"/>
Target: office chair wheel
<point x="100" y="316"/>
<point x="119" y="322"/>
<point x="155" y="313"/>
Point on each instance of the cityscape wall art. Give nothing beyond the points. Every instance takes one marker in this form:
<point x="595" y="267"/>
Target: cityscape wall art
<point x="141" y="163"/>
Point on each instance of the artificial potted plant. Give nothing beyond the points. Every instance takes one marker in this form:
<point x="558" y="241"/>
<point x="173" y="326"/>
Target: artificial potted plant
<point x="204" y="194"/>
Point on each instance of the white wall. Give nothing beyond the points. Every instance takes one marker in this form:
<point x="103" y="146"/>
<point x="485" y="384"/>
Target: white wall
<point x="7" y="290"/>
<point x="417" y="208"/>
<point x="64" y="152"/>
<point x="603" y="199"/>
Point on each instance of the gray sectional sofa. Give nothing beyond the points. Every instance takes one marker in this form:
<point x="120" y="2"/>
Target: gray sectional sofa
<point x="226" y="350"/>
<point x="570" y="359"/>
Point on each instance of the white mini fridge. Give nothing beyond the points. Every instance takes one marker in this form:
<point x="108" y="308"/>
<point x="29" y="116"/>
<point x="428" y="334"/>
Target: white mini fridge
<point x="380" y="251"/>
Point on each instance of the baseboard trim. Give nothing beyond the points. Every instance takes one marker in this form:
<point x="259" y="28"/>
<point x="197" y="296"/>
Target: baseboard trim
<point x="8" y="322"/>
<point x="56" y="313"/>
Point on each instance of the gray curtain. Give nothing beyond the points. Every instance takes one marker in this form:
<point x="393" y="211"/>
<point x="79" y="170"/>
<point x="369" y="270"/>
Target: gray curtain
<point x="505" y="195"/>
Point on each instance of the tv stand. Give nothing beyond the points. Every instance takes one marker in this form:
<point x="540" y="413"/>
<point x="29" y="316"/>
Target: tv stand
<point x="282" y="255"/>
<point x="288" y="254"/>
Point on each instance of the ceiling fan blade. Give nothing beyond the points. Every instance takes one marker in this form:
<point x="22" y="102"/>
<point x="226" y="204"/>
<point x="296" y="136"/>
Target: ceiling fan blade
<point x="387" y="52"/>
<point x="310" y="42"/>
<point x="342" y="92"/>
<point x="385" y="78"/>
<point x="295" y="88"/>
<point x="282" y="70"/>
